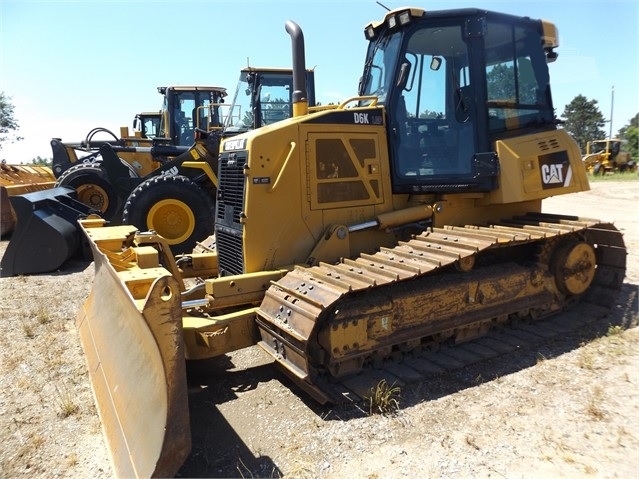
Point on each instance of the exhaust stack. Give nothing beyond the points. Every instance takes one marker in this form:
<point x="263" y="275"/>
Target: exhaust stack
<point x="300" y="95"/>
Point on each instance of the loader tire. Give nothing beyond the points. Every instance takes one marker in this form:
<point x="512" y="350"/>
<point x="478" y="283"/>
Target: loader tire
<point x="174" y="207"/>
<point x="91" y="183"/>
<point x="598" y="169"/>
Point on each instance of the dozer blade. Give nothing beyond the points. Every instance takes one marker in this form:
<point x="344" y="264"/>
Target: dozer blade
<point x="135" y="355"/>
<point x="47" y="232"/>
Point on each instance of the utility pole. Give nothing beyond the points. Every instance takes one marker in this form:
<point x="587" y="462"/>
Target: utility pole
<point x="612" y="103"/>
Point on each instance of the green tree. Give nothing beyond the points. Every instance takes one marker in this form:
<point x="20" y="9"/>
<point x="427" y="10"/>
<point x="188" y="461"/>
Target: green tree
<point x="630" y="136"/>
<point x="39" y="161"/>
<point x="501" y="85"/>
<point x="584" y="121"/>
<point x="8" y="123"/>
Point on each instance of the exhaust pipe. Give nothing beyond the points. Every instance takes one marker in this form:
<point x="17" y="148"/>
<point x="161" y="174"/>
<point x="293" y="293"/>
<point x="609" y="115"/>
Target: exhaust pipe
<point x="300" y="95"/>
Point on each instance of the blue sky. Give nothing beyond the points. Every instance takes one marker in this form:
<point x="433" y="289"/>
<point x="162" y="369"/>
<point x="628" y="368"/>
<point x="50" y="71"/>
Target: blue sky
<point x="70" y="66"/>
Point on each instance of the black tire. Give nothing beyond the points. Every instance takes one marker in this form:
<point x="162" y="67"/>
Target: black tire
<point x="598" y="169"/>
<point x="91" y="183"/>
<point x="174" y="207"/>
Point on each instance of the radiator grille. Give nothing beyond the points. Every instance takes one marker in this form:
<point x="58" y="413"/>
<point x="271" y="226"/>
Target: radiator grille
<point x="229" y="247"/>
<point x="230" y="205"/>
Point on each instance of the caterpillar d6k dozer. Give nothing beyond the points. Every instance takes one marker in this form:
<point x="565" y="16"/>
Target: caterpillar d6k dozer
<point x="406" y="217"/>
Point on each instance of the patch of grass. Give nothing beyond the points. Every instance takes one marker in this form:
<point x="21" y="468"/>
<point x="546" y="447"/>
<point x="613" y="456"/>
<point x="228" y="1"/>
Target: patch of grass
<point x="594" y="407"/>
<point x="586" y="359"/>
<point x="72" y="459"/>
<point x="383" y="399"/>
<point x="42" y="316"/>
<point x="614" y="330"/>
<point x="626" y="176"/>
<point x="590" y="470"/>
<point x="68" y="406"/>
<point x="27" y="328"/>
<point x="243" y="469"/>
<point x="302" y="471"/>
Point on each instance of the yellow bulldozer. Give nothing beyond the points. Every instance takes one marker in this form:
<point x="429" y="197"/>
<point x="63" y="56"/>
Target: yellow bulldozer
<point x="406" y="217"/>
<point x="605" y="156"/>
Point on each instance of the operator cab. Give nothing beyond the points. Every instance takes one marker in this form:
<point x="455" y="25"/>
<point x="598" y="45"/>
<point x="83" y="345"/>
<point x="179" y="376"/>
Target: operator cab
<point x="186" y="108"/>
<point x="452" y="84"/>
<point x="147" y="124"/>
<point x="605" y="146"/>
<point x="263" y="96"/>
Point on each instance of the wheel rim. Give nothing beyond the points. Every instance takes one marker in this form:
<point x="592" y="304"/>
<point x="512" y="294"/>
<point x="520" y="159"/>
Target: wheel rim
<point x="171" y="219"/>
<point x="93" y="196"/>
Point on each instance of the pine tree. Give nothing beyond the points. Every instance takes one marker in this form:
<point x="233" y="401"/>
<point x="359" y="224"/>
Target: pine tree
<point x="584" y="121"/>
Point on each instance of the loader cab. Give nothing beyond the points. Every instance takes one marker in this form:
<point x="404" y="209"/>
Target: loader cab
<point x="453" y="83"/>
<point x="147" y="124"/>
<point x="186" y="108"/>
<point x="610" y="147"/>
<point x="263" y="97"/>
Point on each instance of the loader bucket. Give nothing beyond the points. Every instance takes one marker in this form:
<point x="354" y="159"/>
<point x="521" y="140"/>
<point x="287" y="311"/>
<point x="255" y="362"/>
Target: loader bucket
<point x="47" y="232"/>
<point x="18" y="180"/>
<point x="132" y="337"/>
<point x="8" y="217"/>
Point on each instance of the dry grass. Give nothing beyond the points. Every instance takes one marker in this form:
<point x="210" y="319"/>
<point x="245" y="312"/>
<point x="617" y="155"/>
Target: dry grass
<point x="595" y="408"/>
<point x="383" y="398"/>
<point x="67" y="401"/>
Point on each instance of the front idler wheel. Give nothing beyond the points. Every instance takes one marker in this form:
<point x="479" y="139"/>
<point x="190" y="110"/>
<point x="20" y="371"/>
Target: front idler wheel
<point x="573" y="265"/>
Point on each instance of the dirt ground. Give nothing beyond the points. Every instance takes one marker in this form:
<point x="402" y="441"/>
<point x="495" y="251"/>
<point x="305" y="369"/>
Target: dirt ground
<point x="568" y="408"/>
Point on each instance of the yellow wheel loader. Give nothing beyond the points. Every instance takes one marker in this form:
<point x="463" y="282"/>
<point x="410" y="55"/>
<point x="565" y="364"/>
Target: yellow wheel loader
<point x="79" y="165"/>
<point x="158" y="138"/>
<point x="175" y="197"/>
<point x="405" y="218"/>
<point x="262" y="96"/>
<point x="606" y="156"/>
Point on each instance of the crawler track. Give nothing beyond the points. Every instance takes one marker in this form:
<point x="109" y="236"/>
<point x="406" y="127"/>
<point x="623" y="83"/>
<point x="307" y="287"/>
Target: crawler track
<point x="337" y="330"/>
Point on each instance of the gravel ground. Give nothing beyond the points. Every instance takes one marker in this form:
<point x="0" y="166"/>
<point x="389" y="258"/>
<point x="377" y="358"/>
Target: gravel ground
<point x="568" y="409"/>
